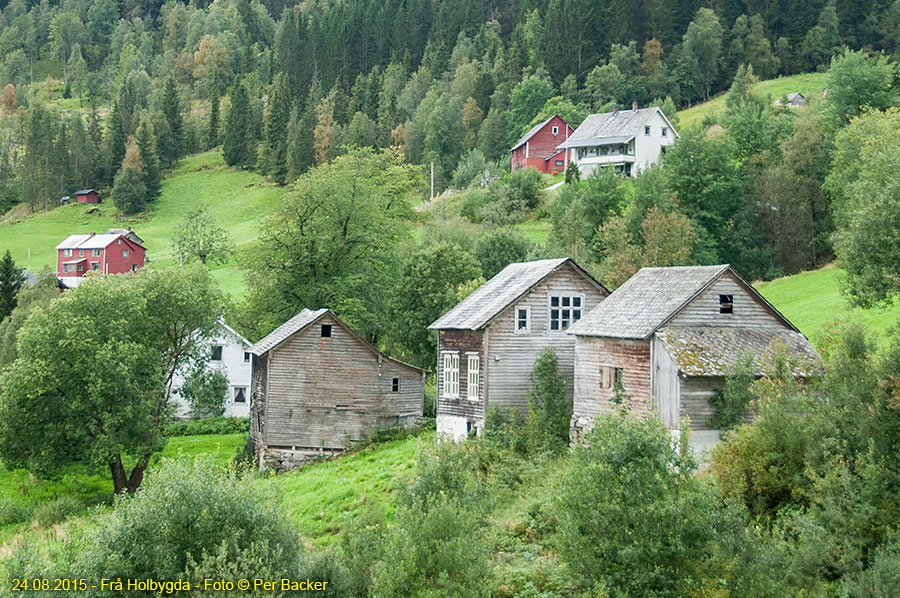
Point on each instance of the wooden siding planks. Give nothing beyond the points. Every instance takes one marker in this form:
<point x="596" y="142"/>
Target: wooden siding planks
<point x="665" y="384"/>
<point x="748" y="311"/>
<point x="463" y="342"/>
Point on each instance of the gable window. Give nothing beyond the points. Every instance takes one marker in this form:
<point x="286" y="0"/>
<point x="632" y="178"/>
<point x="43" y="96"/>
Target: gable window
<point x="95" y="253"/>
<point x="647" y="130"/>
<point x="726" y="304"/>
<point x="246" y="357"/>
<point x="665" y="131"/>
<point x="240" y="394"/>
<point x="472" y="362"/>
<point x="451" y="375"/>
<point x="395" y="385"/>
<point x="216" y="353"/>
<point x="565" y="310"/>
<point x="523" y="319"/>
<point x="124" y="253"/>
<point x="610" y="377"/>
<point x="555" y="130"/>
<point x="120" y="241"/>
<point x="326" y="330"/>
<point x="67" y="253"/>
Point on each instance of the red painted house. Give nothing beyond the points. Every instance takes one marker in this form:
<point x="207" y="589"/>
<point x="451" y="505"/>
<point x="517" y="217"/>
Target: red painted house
<point x="116" y="251"/>
<point x="87" y="196"/>
<point x="537" y="147"/>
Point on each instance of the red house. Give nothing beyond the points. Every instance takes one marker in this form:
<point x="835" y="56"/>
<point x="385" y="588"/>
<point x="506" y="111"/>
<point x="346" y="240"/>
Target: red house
<point x="116" y="251"/>
<point x="537" y="147"/>
<point x="87" y="196"/>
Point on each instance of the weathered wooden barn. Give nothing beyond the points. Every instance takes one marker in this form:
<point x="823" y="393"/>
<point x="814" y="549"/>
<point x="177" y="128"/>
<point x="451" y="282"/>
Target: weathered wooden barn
<point x="664" y="340"/>
<point x="488" y="344"/>
<point x="317" y="387"/>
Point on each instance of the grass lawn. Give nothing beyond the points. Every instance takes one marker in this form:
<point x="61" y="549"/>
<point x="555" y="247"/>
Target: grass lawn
<point x="236" y="199"/>
<point x="536" y="230"/>
<point x="808" y="84"/>
<point x="813" y="299"/>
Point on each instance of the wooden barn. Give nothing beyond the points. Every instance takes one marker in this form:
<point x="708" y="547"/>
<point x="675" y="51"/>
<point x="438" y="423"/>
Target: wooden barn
<point x="488" y="344"/>
<point x="317" y="387"/>
<point x="664" y="340"/>
<point x="87" y="196"/>
<point x="537" y="148"/>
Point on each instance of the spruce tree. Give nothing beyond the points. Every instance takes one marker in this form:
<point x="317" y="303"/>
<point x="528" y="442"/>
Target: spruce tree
<point x="212" y="131"/>
<point x="238" y="147"/>
<point x="146" y="143"/>
<point x="275" y="146"/>
<point x="11" y="280"/>
<point x="114" y="142"/>
<point x="171" y="109"/>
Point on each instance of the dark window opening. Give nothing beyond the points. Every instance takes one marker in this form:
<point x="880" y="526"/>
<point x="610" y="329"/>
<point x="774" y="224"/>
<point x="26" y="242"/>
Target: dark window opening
<point x="246" y="357"/>
<point x="726" y="304"/>
<point x="240" y="394"/>
<point x="395" y="385"/>
<point x="326" y="330"/>
<point x="217" y="353"/>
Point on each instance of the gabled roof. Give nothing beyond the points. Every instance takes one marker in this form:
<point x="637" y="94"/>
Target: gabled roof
<point x="652" y="297"/>
<point x="84" y="191"/>
<point x="533" y="131"/>
<point x="88" y="241"/>
<point x="622" y="125"/>
<point x="701" y="351"/>
<point x="234" y="333"/>
<point x="490" y="299"/>
<point x="128" y="233"/>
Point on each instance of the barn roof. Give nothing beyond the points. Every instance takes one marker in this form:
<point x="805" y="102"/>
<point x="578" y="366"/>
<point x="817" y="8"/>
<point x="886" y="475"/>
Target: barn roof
<point x="531" y="133"/>
<point x="289" y="328"/>
<point x="491" y="298"/>
<point x="84" y="191"/>
<point x="713" y="351"/>
<point x="612" y="127"/>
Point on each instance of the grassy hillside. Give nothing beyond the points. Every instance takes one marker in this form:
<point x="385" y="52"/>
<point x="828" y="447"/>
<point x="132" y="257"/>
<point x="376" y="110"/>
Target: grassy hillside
<point x="813" y="299"/>
<point x="808" y="84"/>
<point x="237" y="200"/>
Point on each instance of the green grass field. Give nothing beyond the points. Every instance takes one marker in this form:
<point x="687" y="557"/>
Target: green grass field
<point x="808" y="84"/>
<point x="236" y="199"/>
<point x="812" y="300"/>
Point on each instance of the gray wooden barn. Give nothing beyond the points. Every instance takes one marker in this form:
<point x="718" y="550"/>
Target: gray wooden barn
<point x="665" y="339"/>
<point x="489" y="342"/>
<point x="317" y="387"/>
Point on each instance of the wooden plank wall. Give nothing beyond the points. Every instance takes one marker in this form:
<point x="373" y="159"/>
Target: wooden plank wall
<point x="592" y="353"/>
<point x="748" y="311"/>
<point x="695" y="395"/>
<point x="326" y="392"/>
<point x="462" y="341"/>
<point x="258" y="400"/>
<point x="508" y="382"/>
<point x="665" y="385"/>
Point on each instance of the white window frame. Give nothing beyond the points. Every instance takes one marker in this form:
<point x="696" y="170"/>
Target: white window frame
<point x="234" y="391"/>
<point x="95" y="253"/>
<point x="67" y="253"/>
<point x="665" y="131"/>
<point x="450" y="374"/>
<point x="647" y="130"/>
<point x="555" y="130"/>
<point x="473" y="375"/>
<point x="561" y="307"/>
<point x="527" y="328"/>
<point x="124" y="253"/>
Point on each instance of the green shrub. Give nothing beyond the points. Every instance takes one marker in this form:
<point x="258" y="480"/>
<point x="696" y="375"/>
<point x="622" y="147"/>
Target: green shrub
<point x="13" y="512"/>
<point x="211" y="425"/>
<point x="732" y="401"/>
<point x="55" y="511"/>
<point x="205" y="389"/>
<point x="549" y="408"/>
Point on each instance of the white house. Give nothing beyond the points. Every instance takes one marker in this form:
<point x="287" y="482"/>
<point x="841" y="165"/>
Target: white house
<point x="628" y="140"/>
<point x="230" y="353"/>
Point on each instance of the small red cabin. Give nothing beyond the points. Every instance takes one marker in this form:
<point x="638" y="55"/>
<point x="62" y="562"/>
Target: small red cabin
<point x="114" y="252"/>
<point x="87" y="196"/>
<point x="537" y="147"/>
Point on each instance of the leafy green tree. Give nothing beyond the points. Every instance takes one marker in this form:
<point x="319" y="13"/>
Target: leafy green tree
<point x="136" y="331"/>
<point x="856" y="80"/>
<point x="732" y="401"/>
<point x="239" y="147"/>
<point x="29" y="298"/>
<point x="500" y="248"/>
<point x="549" y="408"/>
<point x="526" y="99"/>
<point x="470" y="170"/>
<point x="205" y="390"/>
<point x="173" y="149"/>
<point x="11" y="281"/>
<point x="198" y="237"/>
<point x="822" y="41"/>
<point x="129" y="192"/>
<point x="703" y="48"/>
<point x="578" y="211"/>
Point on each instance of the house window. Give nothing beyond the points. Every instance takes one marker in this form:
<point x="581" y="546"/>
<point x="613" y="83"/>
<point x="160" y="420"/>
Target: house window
<point x="473" y="363"/>
<point x="240" y="394"/>
<point x="246" y="357"/>
<point x="67" y="253"/>
<point x="120" y="241"/>
<point x="124" y="253"/>
<point x="217" y="353"/>
<point x="555" y="130"/>
<point x="610" y="377"/>
<point x="95" y="253"/>
<point x="134" y="267"/>
<point x="559" y="162"/>
<point x="81" y="267"/>
<point x="647" y="130"/>
<point x="726" y="304"/>
<point x="395" y="385"/>
<point x="564" y="311"/>
<point x="95" y="265"/>
<point x="451" y="375"/>
<point x="523" y="319"/>
<point x="81" y="253"/>
<point x="326" y="330"/>
<point x="665" y="131"/>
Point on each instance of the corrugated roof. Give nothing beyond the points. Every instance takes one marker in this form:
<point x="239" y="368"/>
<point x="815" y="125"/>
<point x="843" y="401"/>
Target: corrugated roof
<point x="83" y="191"/>
<point x="597" y="128"/>
<point x="491" y="298"/>
<point x="710" y="351"/>
<point x="645" y="301"/>
<point x="88" y="241"/>
<point x="292" y="326"/>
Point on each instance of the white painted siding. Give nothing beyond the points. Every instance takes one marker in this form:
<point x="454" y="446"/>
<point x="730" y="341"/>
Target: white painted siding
<point x="648" y="148"/>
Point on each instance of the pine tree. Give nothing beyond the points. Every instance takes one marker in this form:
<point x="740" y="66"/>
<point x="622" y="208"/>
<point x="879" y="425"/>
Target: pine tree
<point x="146" y="143"/>
<point x="301" y="154"/>
<point x="11" y="280"/>
<point x="275" y="145"/>
<point x="114" y="142"/>
<point x="238" y="148"/>
<point x="212" y="131"/>
<point x="171" y="109"/>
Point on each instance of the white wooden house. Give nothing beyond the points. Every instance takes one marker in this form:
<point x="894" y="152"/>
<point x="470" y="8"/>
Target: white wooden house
<point x="229" y="352"/>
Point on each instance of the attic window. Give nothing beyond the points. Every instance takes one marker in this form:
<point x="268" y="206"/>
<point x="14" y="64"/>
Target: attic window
<point x="246" y="357"/>
<point x="726" y="304"/>
<point x="395" y="385"/>
<point x="555" y="130"/>
<point x="523" y="321"/>
<point x="217" y="353"/>
<point x="665" y="131"/>
<point x="326" y="330"/>
<point x="647" y="130"/>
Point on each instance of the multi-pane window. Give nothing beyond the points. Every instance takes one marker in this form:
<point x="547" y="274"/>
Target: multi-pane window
<point x="564" y="311"/>
<point x="726" y="304"/>
<point x="246" y="356"/>
<point x="395" y="385"/>
<point x="95" y="253"/>
<point x="95" y="265"/>
<point x="523" y="319"/>
<point x="647" y="130"/>
<point x="472" y="364"/>
<point x="451" y="375"/>
<point x="67" y="253"/>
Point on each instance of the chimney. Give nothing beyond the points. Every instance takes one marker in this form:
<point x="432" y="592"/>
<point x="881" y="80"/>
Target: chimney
<point x="634" y="106"/>
<point x="615" y="108"/>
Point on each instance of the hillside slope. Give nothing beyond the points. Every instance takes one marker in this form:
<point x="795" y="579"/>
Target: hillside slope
<point x="236" y="199"/>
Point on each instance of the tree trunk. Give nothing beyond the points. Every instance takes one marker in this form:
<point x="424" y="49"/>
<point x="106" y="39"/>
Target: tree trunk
<point x="118" y="474"/>
<point x="123" y="482"/>
<point x="137" y="474"/>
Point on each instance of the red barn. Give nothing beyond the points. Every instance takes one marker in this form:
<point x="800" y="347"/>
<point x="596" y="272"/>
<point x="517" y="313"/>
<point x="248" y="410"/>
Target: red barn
<point x="116" y="251"/>
<point x="537" y="147"/>
<point x="87" y="196"/>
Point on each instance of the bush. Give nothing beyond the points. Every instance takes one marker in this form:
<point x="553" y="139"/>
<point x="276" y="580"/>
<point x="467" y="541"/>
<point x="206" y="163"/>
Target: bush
<point x="13" y="512"/>
<point x="499" y="248"/>
<point x="549" y="408"/>
<point x="53" y="512"/>
<point x="211" y="425"/>
<point x="733" y="399"/>
<point x="205" y="390"/>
